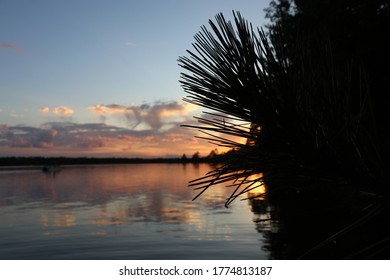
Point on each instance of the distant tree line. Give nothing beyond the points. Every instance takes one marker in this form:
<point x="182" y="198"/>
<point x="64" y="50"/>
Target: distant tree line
<point x="213" y="157"/>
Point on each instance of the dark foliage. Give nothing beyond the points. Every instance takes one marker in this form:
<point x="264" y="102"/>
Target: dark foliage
<point x="309" y="96"/>
<point x="302" y="110"/>
<point x="357" y="30"/>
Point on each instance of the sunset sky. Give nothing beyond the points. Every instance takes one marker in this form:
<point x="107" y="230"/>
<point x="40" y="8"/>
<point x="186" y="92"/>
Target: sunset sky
<point x="100" y="78"/>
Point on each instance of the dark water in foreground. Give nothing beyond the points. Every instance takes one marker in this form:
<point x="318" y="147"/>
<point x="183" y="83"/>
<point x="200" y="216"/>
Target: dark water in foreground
<point x="122" y="212"/>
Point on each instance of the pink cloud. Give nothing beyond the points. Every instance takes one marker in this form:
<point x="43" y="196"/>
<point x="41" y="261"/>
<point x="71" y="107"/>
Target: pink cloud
<point x="3" y="127"/>
<point x="157" y="116"/>
<point x="98" y="140"/>
<point x="153" y="130"/>
<point x="45" y="110"/>
<point x="9" y="46"/>
<point x="62" y="111"/>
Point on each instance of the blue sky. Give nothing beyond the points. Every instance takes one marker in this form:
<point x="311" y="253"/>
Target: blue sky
<point x="78" y="76"/>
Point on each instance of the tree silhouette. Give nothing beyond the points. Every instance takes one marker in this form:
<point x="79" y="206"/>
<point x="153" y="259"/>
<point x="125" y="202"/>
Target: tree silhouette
<point x="184" y="158"/>
<point x="301" y="103"/>
<point x="195" y="157"/>
<point x="357" y="31"/>
<point x="309" y="95"/>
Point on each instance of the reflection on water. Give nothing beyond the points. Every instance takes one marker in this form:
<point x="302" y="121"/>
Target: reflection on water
<point x="139" y="211"/>
<point x="326" y="220"/>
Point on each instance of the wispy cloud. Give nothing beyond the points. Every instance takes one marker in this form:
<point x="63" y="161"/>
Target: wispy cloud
<point x="14" y="114"/>
<point x="10" y="47"/>
<point x="61" y="111"/>
<point x="131" y="44"/>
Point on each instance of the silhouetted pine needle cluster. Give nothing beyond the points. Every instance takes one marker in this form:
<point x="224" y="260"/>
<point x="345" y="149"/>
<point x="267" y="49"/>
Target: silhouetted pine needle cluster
<point x="299" y="114"/>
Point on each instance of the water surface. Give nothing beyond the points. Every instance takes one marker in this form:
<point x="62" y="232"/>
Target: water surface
<point x="135" y="211"/>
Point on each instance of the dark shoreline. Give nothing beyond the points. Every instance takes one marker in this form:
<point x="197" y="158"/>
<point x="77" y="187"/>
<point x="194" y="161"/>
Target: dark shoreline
<point x="43" y="161"/>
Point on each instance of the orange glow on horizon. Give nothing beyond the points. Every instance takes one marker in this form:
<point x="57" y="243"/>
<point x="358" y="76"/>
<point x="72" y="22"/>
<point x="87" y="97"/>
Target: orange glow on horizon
<point x="172" y="145"/>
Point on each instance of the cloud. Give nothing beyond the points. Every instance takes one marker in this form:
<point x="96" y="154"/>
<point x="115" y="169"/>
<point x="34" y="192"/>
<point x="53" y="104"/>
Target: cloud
<point x="97" y="139"/>
<point x="16" y="115"/>
<point x="9" y="46"/>
<point x="149" y="130"/>
<point x="61" y="111"/>
<point x="3" y="127"/>
<point x="45" y="110"/>
<point x="157" y="116"/>
<point x="131" y="44"/>
<point x="24" y="136"/>
<point x="45" y="139"/>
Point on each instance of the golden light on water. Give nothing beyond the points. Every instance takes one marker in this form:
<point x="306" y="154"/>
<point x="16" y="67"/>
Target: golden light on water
<point x="60" y="219"/>
<point x="258" y="189"/>
<point x="107" y="200"/>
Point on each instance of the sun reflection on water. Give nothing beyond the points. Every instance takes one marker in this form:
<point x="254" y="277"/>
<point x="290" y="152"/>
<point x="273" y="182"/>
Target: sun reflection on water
<point x="136" y="203"/>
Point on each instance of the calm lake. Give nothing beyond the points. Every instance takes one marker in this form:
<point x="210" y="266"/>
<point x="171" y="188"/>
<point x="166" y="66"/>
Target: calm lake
<point x="134" y="211"/>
